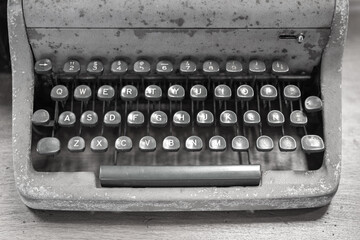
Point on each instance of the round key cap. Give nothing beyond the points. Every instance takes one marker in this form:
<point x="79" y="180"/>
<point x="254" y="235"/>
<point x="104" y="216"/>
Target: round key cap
<point x="240" y="143"/>
<point x="106" y="93"/>
<point x="67" y="119"/>
<point x="292" y="93"/>
<point x="142" y="66"/>
<point x="123" y="144"/>
<point x="59" y="93"/>
<point x="264" y="144"/>
<point x="268" y="92"/>
<point x="147" y="144"/>
<point x="112" y="119"/>
<point x="71" y="67"/>
<point x="171" y="144"/>
<point x="95" y="67"/>
<point x="312" y="144"/>
<point x="176" y="93"/>
<point x="222" y="92"/>
<point x="233" y="66"/>
<point x="279" y="67"/>
<point x="205" y="118"/>
<point x="187" y="66"/>
<point x="119" y="67"/>
<point x="40" y="118"/>
<point x="153" y="93"/>
<point x="210" y="67"/>
<point x="198" y="92"/>
<point x="164" y="66"/>
<point x="245" y="93"/>
<point x="217" y="143"/>
<point x="76" y="144"/>
<point x="275" y="118"/>
<point x="193" y="143"/>
<point x="256" y="66"/>
<point x="43" y="66"/>
<point x="228" y="118"/>
<point x="89" y="119"/>
<point x="251" y="118"/>
<point x="129" y="93"/>
<point x="158" y="119"/>
<point x="287" y="144"/>
<point x="181" y="119"/>
<point x="99" y="144"/>
<point x="313" y="104"/>
<point x="48" y="146"/>
<point x="135" y="119"/>
<point x="82" y="93"/>
<point x="298" y="118"/>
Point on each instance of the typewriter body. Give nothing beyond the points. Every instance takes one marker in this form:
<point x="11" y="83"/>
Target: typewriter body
<point x="176" y="105"/>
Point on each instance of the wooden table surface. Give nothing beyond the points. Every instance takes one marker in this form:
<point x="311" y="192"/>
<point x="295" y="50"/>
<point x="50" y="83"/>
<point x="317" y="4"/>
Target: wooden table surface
<point x="339" y="220"/>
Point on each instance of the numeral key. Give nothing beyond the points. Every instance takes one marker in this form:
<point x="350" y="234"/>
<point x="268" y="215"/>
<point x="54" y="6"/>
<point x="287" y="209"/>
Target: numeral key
<point x="164" y="66"/>
<point x="256" y="66"/>
<point x="119" y="67"/>
<point x="95" y="67"/>
<point x="142" y="66"/>
<point x="234" y="66"/>
<point x="210" y="67"/>
<point x="71" y="67"/>
<point x="187" y="66"/>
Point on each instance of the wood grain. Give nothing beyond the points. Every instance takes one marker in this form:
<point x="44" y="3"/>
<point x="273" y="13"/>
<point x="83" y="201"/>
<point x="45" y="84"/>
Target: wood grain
<point x="340" y="220"/>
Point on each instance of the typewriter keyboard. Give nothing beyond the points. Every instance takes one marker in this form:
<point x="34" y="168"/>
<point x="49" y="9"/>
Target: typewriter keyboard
<point x="164" y="124"/>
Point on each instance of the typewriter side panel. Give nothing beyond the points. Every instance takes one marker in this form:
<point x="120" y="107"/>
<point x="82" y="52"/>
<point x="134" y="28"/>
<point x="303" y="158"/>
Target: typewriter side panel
<point x="77" y="191"/>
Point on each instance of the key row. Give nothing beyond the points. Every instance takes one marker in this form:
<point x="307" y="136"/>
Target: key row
<point x="181" y="118"/>
<point x="96" y="67"/>
<point x="177" y="93"/>
<point x="309" y="144"/>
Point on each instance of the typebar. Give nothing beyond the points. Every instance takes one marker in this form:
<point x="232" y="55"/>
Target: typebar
<point x="180" y="176"/>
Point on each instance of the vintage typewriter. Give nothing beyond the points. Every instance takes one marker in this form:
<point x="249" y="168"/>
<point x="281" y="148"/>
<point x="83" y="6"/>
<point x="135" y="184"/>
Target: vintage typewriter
<point x="176" y="105"/>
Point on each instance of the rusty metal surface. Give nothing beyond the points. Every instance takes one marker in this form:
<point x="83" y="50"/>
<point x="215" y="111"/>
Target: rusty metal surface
<point x="179" y="14"/>
<point x="176" y="44"/>
<point x="77" y="191"/>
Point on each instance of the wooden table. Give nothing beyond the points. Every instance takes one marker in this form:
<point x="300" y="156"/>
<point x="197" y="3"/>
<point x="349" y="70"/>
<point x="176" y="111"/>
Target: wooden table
<point x="339" y="220"/>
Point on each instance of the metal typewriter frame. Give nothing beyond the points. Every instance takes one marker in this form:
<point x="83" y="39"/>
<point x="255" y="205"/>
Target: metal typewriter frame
<point x="78" y="191"/>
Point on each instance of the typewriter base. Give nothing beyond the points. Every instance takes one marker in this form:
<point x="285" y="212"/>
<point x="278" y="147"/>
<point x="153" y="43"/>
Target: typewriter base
<point x="78" y="191"/>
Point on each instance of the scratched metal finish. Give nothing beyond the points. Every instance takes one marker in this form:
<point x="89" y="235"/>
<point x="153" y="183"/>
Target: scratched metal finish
<point x="177" y="44"/>
<point x="179" y="14"/>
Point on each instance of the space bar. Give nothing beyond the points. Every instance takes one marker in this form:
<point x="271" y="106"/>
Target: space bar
<point x="179" y="176"/>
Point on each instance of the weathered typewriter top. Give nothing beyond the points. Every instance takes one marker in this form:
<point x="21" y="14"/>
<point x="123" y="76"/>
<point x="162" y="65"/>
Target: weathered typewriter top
<point x="158" y="105"/>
